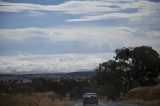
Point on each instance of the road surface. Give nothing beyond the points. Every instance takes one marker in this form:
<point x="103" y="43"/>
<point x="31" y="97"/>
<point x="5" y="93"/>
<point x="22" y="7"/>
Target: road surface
<point x="107" y="104"/>
<point x="100" y="104"/>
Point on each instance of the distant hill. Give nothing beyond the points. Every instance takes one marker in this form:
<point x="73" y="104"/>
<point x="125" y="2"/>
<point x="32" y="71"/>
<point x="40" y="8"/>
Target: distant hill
<point x="80" y="74"/>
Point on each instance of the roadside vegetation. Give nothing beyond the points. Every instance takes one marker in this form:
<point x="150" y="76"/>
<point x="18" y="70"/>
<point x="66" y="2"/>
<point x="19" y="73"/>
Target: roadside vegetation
<point x="33" y="99"/>
<point x="30" y="99"/>
<point x="74" y="87"/>
<point x="146" y="96"/>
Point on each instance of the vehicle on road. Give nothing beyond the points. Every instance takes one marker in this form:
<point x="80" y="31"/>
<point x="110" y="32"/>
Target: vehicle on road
<point x="90" y="98"/>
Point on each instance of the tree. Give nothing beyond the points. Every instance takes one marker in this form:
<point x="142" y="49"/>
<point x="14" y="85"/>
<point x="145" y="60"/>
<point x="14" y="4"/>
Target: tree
<point x="123" y="58"/>
<point x="146" y="65"/>
<point x="142" y="62"/>
<point x="131" y="67"/>
<point x="109" y="82"/>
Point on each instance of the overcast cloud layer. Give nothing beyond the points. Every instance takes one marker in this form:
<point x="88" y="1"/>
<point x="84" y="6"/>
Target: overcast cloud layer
<point x="73" y="25"/>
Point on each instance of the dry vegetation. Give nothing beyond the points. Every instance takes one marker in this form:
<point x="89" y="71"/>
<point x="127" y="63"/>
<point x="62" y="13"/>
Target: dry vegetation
<point x="33" y="99"/>
<point x="147" y="96"/>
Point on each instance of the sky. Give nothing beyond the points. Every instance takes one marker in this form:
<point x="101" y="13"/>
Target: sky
<point x="44" y="36"/>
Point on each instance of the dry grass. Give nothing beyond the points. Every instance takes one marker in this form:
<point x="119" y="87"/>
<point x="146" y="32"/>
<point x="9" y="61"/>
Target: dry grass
<point x="145" y="93"/>
<point x="142" y="102"/>
<point x="147" y="96"/>
<point x="32" y="99"/>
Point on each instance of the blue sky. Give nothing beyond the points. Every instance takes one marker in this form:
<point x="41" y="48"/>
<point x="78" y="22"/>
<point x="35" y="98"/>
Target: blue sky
<point x="42" y="28"/>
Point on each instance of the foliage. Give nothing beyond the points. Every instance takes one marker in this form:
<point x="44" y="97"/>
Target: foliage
<point x="131" y="67"/>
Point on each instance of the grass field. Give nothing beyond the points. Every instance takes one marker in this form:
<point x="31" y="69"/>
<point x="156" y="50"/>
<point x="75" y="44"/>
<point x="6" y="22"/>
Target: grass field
<point x="33" y="99"/>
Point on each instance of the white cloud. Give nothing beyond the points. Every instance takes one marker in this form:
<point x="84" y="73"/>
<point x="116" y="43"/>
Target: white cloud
<point x="90" y="10"/>
<point x="70" y="7"/>
<point x="153" y="34"/>
<point x="36" y="13"/>
<point x="94" y="36"/>
<point x="51" y="63"/>
<point x="91" y="36"/>
<point x="144" y="9"/>
<point x="130" y="16"/>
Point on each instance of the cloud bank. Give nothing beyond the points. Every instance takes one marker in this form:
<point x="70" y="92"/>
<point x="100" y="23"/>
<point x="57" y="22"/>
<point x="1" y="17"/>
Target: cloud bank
<point x="51" y="63"/>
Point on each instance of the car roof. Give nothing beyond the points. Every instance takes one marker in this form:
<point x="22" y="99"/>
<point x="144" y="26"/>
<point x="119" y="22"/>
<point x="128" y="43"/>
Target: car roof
<point x="90" y="93"/>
